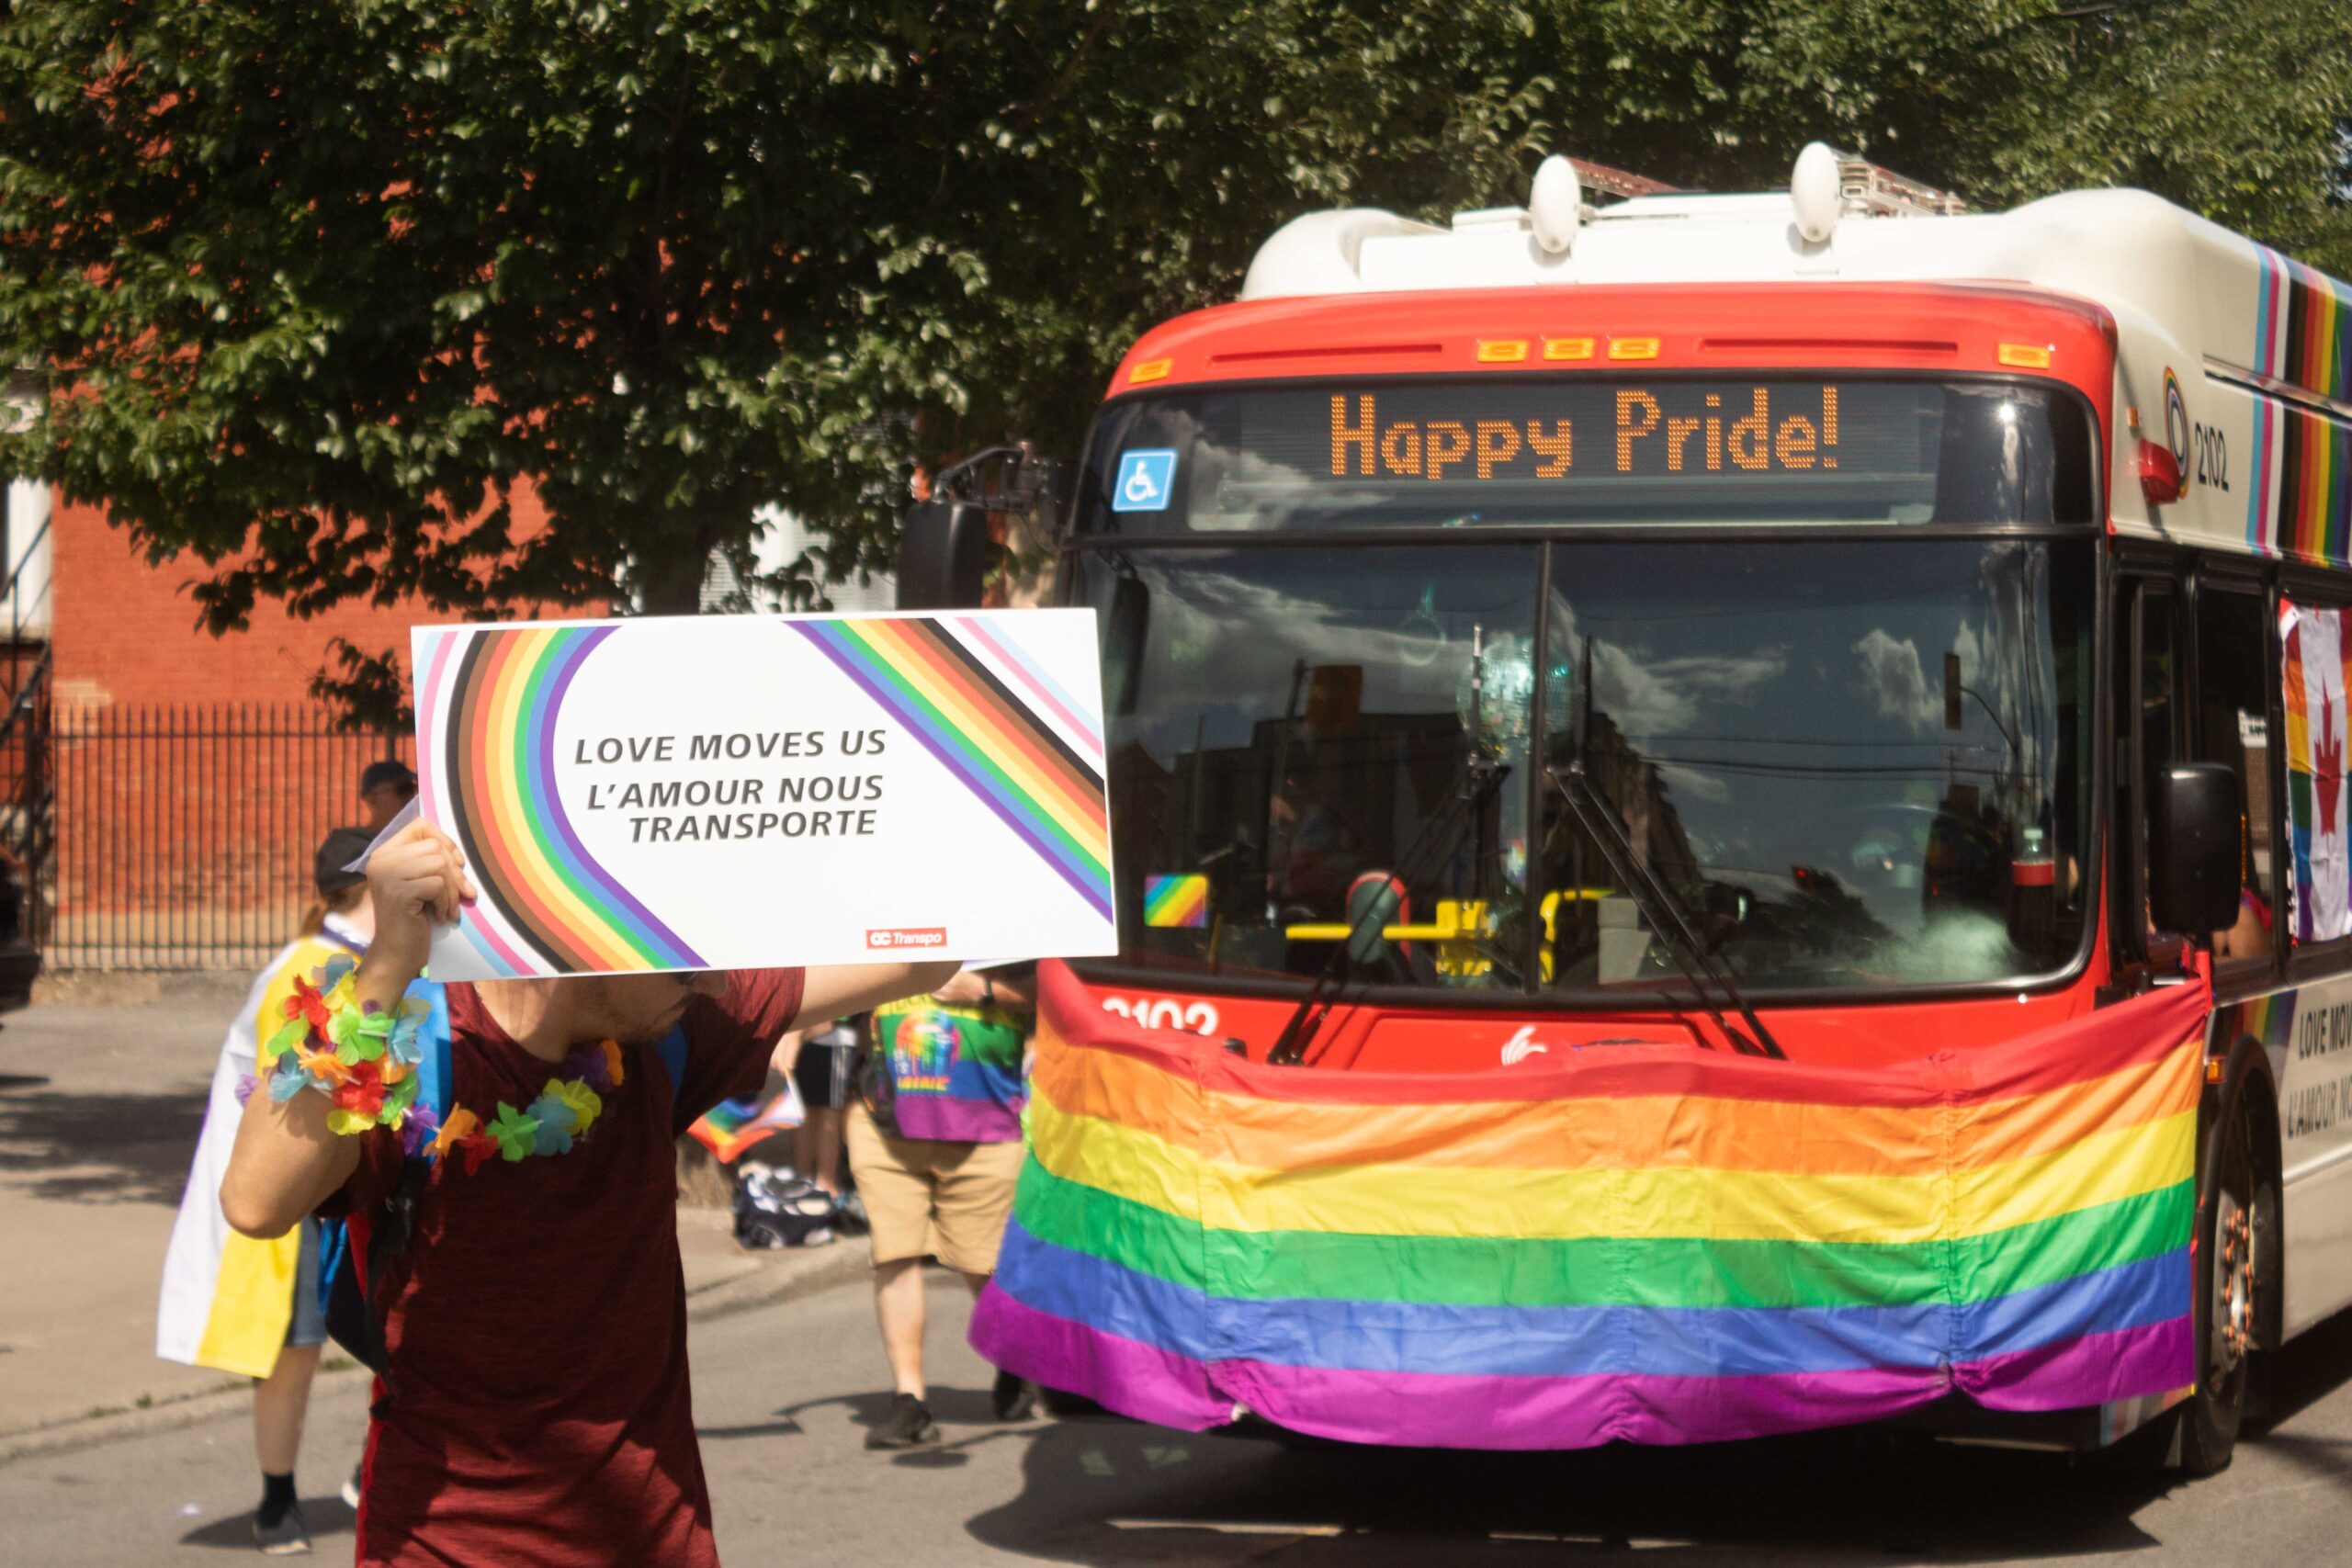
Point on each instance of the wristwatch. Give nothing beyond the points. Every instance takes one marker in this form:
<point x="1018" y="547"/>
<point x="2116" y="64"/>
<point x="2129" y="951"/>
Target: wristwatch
<point x="988" y="992"/>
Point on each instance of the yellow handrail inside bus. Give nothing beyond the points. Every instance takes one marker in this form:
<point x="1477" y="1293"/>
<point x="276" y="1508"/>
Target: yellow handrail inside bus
<point x="1455" y="920"/>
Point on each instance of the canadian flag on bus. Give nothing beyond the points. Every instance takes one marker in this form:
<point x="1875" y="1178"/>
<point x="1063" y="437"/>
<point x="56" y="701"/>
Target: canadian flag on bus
<point x="2312" y="641"/>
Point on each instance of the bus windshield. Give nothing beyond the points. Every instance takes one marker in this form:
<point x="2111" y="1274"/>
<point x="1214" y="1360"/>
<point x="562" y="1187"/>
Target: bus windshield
<point x="1854" y="763"/>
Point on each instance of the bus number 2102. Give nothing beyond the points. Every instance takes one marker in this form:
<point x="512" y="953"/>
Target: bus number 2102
<point x="1159" y="1012"/>
<point x="2213" y="456"/>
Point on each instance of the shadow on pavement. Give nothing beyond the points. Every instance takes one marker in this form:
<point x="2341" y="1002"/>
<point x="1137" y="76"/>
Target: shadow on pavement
<point x="1099" y="1490"/>
<point x="783" y="1425"/>
<point x="951" y="1407"/>
<point x="2314" y="1365"/>
<point x="1102" y="1491"/>
<point x="327" y="1516"/>
<point x="121" y="1148"/>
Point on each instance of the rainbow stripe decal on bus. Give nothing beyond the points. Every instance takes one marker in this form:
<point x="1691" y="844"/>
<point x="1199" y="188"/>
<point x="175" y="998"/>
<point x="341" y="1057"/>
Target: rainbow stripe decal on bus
<point x="2303" y="339"/>
<point x="528" y="863"/>
<point x="2300" y="504"/>
<point x="2268" y="1021"/>
<point x="996" y="741"/>
<point x="2313" y="516"/>
<point x="1644" y="1243"/>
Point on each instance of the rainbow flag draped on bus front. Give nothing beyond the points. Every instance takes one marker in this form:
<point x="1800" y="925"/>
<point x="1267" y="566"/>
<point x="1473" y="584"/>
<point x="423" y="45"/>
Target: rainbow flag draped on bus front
<point x="1647" y="1243"/>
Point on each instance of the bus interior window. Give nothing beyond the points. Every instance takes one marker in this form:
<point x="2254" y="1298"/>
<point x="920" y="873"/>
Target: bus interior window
<point x="2234" y="668"/>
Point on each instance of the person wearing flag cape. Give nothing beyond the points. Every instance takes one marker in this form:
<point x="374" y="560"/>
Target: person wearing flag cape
<point x="239" y="1304"/>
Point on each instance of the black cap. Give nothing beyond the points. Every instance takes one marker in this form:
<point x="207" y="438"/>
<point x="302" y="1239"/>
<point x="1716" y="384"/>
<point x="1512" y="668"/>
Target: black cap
<point x="342" y="846"/>
<point x="390" y="770"/>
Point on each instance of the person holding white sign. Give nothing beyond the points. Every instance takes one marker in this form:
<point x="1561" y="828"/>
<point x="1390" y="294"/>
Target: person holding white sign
<point x="533" y="1403"/>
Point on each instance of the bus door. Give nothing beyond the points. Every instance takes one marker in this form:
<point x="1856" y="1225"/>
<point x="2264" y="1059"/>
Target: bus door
<point x="2236" y="669"/>
<point x="2150" y="723"/>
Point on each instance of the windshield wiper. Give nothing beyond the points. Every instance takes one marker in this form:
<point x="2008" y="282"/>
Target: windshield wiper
<point x="1480" y="775"/>
<point x="1657" y="901"/>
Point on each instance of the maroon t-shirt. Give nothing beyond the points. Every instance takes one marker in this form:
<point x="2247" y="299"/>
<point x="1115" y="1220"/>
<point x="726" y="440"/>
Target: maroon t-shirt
<point x="536" y="1327"/>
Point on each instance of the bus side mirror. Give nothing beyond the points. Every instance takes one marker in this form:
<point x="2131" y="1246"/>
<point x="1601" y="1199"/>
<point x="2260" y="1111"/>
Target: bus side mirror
<point x="2193" y="848"/>
<point x="943" y="556"/>
<point x="1127" y="624"/>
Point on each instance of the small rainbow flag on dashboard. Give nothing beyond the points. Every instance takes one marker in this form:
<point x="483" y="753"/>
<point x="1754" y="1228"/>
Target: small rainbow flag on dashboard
<point x="1179" y="903"/>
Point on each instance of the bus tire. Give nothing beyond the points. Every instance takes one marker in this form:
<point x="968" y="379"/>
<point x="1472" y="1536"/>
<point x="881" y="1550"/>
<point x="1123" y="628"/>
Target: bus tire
<point x="2235" y="1225"/>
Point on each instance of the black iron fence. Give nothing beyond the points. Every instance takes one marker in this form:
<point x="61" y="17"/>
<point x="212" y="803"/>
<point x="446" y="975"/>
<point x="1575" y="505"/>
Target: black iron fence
<point x="184" y="835"/>
<point x="28" y="793"/>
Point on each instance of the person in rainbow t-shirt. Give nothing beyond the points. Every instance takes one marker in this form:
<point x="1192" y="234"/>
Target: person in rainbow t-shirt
<point x="934" y="1144"/>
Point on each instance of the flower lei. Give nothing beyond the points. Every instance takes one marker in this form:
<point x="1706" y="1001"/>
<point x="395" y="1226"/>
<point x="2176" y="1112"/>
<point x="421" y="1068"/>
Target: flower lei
<point x="364" y="1059"/>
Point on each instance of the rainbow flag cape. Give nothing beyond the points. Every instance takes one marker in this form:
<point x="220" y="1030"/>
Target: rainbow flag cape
<point x="1643" y="1243"/>
<point x="227" y="1298"/>
<point x="731" y="1126"/>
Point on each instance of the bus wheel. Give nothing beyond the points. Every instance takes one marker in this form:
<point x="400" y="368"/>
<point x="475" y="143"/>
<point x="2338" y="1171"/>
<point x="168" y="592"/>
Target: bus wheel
<point x="2231" y="1231"/>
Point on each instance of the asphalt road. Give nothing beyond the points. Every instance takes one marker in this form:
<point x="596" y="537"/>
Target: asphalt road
<point x="783" y="1395"/>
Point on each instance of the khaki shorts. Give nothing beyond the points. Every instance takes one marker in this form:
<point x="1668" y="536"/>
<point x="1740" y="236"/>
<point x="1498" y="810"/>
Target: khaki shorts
<point x="942" y="1200"/>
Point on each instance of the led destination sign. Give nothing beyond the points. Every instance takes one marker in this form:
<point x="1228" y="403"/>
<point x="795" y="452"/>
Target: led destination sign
<point x="1667" y="428"/>
<point x="1494" y="452"/>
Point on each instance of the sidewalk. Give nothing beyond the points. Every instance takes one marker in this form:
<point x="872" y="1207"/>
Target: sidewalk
<point x="99" y="1108"/>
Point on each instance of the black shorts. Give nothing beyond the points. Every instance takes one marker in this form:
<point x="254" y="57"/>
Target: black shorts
<point x="821" y="1071"/>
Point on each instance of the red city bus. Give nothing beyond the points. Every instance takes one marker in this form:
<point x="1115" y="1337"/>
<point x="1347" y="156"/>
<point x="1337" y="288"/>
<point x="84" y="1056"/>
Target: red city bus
<point x="1698" y="844"/>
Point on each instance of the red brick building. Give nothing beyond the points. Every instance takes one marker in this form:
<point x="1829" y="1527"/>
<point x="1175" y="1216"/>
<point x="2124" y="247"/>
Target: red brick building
<point x="166" y="787"/>
<point x="123" y="633"/>
<point x="189" y="777"/>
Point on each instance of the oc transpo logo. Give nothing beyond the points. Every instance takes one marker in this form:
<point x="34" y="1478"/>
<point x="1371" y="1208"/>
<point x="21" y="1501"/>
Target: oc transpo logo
<point x="1523" y="1044"/>
<point x="2176" y="421"/>
<point x="894" y="938"/>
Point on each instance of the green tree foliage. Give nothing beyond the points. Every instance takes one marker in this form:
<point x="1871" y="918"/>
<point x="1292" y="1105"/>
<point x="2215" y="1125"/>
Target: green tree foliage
<point x="318" y="287"/>
<point x="2237" y="109"/>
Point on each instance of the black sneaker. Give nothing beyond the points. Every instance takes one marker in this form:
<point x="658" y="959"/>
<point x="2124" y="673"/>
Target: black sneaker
<point x="907" y="1425"/>
<point x="281" y="1536"/>
<point x="1015" y="1397"/>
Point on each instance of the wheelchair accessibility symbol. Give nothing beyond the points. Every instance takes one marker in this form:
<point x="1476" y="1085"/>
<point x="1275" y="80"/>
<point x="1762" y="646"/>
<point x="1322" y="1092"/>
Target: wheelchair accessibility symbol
<point x="1145" y="480"/>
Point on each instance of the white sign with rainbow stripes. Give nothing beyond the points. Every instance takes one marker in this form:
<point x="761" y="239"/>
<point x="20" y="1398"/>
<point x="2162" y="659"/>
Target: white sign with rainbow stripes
<point x="744" y="790"/>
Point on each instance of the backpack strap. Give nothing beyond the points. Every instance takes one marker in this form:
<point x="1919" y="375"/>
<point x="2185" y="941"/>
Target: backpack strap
<point x="435" y="1085"/>
<point x="673" y="1049"/>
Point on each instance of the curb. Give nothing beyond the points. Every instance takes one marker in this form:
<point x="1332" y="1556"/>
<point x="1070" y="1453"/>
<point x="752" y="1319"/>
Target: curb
<point x="799" y="1272"/>
<point x="140" y="987"/>
<point x="769" y="1283"/>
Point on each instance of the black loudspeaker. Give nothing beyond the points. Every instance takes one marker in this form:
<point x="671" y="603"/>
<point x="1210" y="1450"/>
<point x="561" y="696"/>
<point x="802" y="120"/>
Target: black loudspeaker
<point x="2193" y="848"/>
<point x="943" y="556"/>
